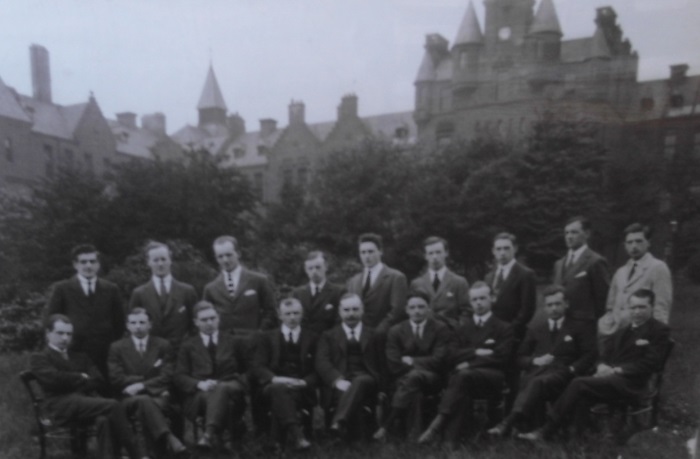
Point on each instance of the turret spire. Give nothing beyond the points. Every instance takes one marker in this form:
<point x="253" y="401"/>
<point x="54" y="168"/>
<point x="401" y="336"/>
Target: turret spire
<point x="546" y="19"/>
<point x="211" y="94"/>
<point x="470" y="30"/>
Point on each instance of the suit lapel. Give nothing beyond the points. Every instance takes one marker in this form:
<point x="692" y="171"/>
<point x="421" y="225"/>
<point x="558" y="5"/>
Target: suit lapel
<point x="380" y="279"/>
<point x="642" y="267"/>
<point x="342" y="340"/>
<point x="364" y="338"/>
<point x="242" y="284"/>
<point x="578" y="264"/>
<point x="428" y="332"/>
<point x="511" y="279"/>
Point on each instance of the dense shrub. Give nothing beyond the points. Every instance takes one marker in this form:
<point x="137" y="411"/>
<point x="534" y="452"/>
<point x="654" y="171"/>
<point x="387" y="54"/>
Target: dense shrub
<point x="21" y="324"/>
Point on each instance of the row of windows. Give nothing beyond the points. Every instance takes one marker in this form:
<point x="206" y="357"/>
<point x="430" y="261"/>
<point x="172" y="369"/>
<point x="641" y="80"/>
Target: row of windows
<point x="67" y="159"/>
<point x="671" y="144"/>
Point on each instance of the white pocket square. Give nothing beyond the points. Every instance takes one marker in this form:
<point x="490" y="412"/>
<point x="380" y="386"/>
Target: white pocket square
<point x="158" y="363"/>
<point x="250" y="292"/>
<point x="568" y="338"/>
<point x="329" y="307"/>
<point x="182" y="309"/>
<point x="581" y="274"/>
<point x="642" y="342"/>
<point x="450" y="294"/>
<point x="489" y="341"/>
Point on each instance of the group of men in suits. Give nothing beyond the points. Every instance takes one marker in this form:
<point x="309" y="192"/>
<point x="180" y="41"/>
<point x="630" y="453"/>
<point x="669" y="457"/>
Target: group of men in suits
<point x="440" y="338"/>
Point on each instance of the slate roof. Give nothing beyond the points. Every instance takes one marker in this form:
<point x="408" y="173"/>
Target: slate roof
<point x="134" y="142"/>
<point x="9" y="104"/>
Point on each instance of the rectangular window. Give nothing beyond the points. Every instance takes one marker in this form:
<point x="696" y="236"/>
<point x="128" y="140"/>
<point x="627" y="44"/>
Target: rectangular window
<point x="9" y="150"/>
<point x="669" y="146"/>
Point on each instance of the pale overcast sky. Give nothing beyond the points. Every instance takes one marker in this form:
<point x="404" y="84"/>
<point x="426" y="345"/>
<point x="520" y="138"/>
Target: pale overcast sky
<point x="152" y="55"/>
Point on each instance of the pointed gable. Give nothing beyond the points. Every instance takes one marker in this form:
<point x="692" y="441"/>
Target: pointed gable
<point x="599" y="45"/>
<point x="469" y="31"/>
<point x="211" y="94"/>
<point x="9" y="105"/>
<point x="546" y="19"/>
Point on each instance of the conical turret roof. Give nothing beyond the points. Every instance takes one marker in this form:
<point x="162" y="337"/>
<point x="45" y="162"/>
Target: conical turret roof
<point x="546" y="19"/>
<point x="469" y="31"/>
<point x="211" y="94"/>
<point x="599" y="45"/>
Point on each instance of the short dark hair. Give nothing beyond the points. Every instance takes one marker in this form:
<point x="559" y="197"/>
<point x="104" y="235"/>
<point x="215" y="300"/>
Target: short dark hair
<point x="373" y="238"/>
<point x="202" y="306"/>
<point x="289" y="302"/>
<point x="152" y="245"/>
<point x="638" y="228"/>
<point x="224" y="239"/>
<point x="434" y="240"/>
<point x="504" y="235"/>
<point x="137" y="311"/>
<point x="82" y="249"/>
<point x="51" y="320"/>
<point x="418" y="294"/>
<point x="645" y="293"/>
<point x="480" y="284"/>
<point x="584" y="221"/>
<point x="312" y="255"/>
<point x="553" y="290"/>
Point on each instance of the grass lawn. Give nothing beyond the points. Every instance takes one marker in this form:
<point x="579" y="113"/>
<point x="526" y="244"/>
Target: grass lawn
<point x="679" y="413"/>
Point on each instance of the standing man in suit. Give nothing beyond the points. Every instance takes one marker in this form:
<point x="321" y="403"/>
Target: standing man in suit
<point x="346" y="363"/>
<point x="94" y="306"/>
<point x="448" y="292"/>
<point x="381" y="288"/>
<point x="415" y="351"/>
<point x="554" y="352"/>
<point x="208" y="374"/>
<point x="319" y="298"/>
<point x="479" y="352"/>
<point x="69" y="380"/>
<point x="284" y="367"/>
<point x="168" y="301"/>
<point x="627" y="361"/>
<point x="141" y="370"/>
<point x="583" y="273"/>
<point x="642" y="270"/>
<point x="244" y="299"/>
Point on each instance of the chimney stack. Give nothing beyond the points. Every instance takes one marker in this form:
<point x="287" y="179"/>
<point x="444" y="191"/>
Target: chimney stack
<point x="267" y="126"/>
<point x="679" y="73"/>
<point x="41" y="73"/>
<point x="348" y="107"/>
<point x="154" y="123"/>
<point x="296" y="112"/>
<point x="128" y="119"/>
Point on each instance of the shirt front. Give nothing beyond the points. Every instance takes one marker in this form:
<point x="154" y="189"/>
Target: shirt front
<point x="505" y="269"/>
<point x="214" y="336"/>
<point x="418" y="328"/>
<point x="316" y="287"/>
<point x="166" y="281"/>
<point x="374" y="273"/>
<point x="482" y="319"/>
<point x="558" y="322"/>
<point x="357" y="330"/>
<point x="295" y="333"/>
<point x="440" y="273"/>
<point x="577" y="254"/>
<point x="87" y="284"/>
<point x="234" y="275"/>
<point x="139" y="342"/>
<point x="63" y="353"/>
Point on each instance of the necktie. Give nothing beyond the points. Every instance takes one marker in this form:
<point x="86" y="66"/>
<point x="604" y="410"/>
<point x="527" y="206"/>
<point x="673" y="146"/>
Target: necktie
<point x="64" y="354"/>
<point x="634" y="268"/>
<point x="553" y="332"/>
<point x="316" y="290"/>
<point x="499" y="279"/>
<point x="230" y="286"/>
<point x="211" y="347"/>
<point x="290" y="338"/>
<point x="352" y="335"/>
<point x="142" y="347"/>
<point x="436" y="282"/>
<point x="90" y="288"/>
<point x="570" y="260"/>
<point x="368" y="283"/>
<point x="161" y="286"/>
<point x="479" y="323"/>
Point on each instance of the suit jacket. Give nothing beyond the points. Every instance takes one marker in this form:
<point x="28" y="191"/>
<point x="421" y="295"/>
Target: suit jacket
<point x="429" y="352"/>
<point x="639" y="352"/>
<point x="586" y="284"/>
<point x="97" y="321"/>
<point x="267" y="361"/>
<point x="650" y="273"/>
<point x="154" y="369"/>
<point x="195" y="365"/>
<point x="451" y="301"/>
<point x="516" y="298"/>
<point x="495" y="334"/>
<point x="171" y="316"/>
<point x="321" y="311"/>
<point x="331" y="354"/>
<point x="251" y="308"/>
<point x="386" y="300"/>
<point x="574" y="346"/>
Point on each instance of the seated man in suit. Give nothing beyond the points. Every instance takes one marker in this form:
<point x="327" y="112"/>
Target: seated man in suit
<point x="415" y="351"/>
<point x="140" y="370"/>
<point x="284" y="367"/>
<point x="448" y="292"/>
<point x="554" y="352"/>
<point x="208" y="374"/>
<point x="626" y="363"/>
<point x="319" y="298"/>
<point x="346" y="362"/>
<point x="479" y="350"/>
<point x="69" y="380"/>
<point x="168" y="301"/>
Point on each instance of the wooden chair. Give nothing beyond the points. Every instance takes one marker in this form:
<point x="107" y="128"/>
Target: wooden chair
<point x="74" y="432"/>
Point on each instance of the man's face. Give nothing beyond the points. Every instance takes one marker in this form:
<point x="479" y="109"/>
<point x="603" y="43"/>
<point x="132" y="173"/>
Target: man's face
<point x="291" y="314"/>
<point x="435" y="255"/>
<point x="480" y="299"/>
<point x="574" y="235"/>
<point x="316" y="270"/>
<point x="417" y="309"/>
<point x="370" y="254"/>
<point x="637" y="245"/>
<point x="87" y="265"/>
<point x="503" y="251"/>
<point x="139" y="325"/>
<point x="61" y="335"/>
<point x="159" y="261"/>
<point x="351" y="310"/>
<point x="207" y="321"/>
<point x="226" y="256"/>
<point x="555" y="306"/>
<point x="640" y="310"/>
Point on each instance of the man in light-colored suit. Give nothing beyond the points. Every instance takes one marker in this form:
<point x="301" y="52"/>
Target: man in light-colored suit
<point x="642" y="271"/>
<point x="448" y="292"/>
<point x="168" y="301"/>
<point x="244" y="299"/>
<point x="583" y="273"/>
<point x="382" y="289"/>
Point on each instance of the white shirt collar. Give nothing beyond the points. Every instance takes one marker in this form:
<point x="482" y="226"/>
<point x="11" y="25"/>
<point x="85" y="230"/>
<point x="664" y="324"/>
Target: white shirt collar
<point x="235" y="275"/>
<point x="420" y="325"/>
<point x="295" y="333"/>
<point x="506" y="268"/>
<point x="320" y="286"/>
<point x="357" y="330"/>
<point x="641" y="261"/>
<point x="85" y="282"/>
<point x="205" y="338"/>
<point x="483" y="318"/>
<point x="167" y="280"/>
<point x="577" y="253"/>
<point x="138" y="340"/>
<point x="57" y="349"/>
<point x="559" y="322"/>
<point x="440" y="272"/>
<point x="376" y="269"/>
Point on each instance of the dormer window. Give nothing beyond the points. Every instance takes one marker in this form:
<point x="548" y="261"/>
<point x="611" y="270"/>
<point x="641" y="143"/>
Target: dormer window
<point x="401" y="133"/>
<point x="263" y="150"/>
<point x="238" y="152"/>
<point x="676" y="100"/>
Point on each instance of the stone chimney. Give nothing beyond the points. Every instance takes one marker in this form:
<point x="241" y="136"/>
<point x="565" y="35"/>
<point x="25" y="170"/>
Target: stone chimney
<point x="679" y="73"/>
<point x="348" y="107"/>
<point x="41" y="73"/>
<point x="267" y="126"/>
<point x="236" y="125"/>
<point x="296" y="112"/>
<point x="154" y="123"/>
<point x="128" y="119"/>
<point x="436" y="46"/>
